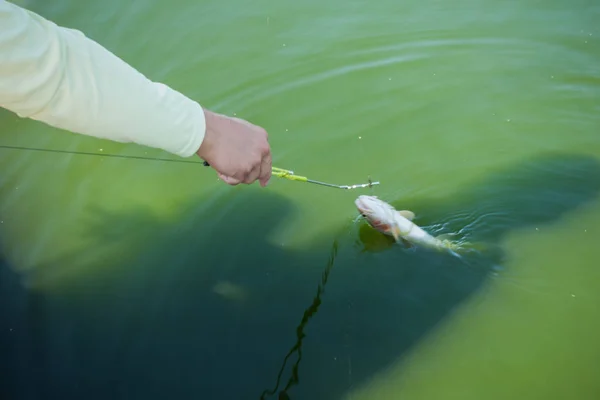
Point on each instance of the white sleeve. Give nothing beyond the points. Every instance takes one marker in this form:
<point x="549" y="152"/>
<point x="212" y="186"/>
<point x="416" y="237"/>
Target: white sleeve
<point x="64" y="79"/>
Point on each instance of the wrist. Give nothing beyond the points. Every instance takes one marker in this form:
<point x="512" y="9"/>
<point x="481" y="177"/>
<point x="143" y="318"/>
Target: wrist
<point x="209" y="133"/>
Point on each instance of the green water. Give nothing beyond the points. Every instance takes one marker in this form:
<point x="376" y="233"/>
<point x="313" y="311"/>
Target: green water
<point x="150" y="280"/>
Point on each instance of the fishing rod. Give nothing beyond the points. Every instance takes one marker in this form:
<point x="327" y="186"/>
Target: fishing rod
<point x="278" y="172"/>
<point x="287" y="174"/>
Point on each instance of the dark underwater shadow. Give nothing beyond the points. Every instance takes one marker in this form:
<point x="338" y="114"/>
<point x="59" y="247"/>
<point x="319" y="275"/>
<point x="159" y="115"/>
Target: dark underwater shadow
<point x="208" y="305"/>
<point x="382" y="298"/>
<point x="11" y="312"/>
<point x="156" y="308"/>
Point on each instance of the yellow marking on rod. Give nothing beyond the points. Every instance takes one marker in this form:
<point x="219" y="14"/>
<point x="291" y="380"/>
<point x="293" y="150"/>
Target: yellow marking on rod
<point x="287" y="174"/>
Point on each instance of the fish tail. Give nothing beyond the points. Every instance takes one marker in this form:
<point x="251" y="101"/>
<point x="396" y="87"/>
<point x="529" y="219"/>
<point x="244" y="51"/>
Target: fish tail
<point x="452" y="247"/>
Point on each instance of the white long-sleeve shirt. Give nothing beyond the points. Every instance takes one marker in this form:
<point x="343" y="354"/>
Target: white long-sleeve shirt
<point x="60" y="77"/>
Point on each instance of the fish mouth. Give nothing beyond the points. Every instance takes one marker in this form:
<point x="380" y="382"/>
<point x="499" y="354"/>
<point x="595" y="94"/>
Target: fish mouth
<point x="362" y="207"/>
<point x="361" y="204"/>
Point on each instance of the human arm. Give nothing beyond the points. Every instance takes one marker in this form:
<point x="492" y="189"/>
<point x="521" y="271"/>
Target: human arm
<point x="60" y="77"/>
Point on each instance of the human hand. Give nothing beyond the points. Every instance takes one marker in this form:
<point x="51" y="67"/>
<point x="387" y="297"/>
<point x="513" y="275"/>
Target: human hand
<point x="238" y="150"/>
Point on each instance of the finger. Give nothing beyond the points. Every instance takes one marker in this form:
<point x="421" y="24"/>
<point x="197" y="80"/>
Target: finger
<point x="240" y="175"/>
<point x="265" y="170"/>
<point x="253" y="175"/>
<point x="229" y="180"/>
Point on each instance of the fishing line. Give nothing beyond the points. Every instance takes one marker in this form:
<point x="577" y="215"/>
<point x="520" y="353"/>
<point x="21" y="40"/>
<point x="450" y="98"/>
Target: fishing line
<point x="84" y="153"/>
<point x="361" y="147"/>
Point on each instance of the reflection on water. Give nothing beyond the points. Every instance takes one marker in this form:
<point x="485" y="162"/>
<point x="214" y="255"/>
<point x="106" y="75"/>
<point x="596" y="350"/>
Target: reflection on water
<point x="297" y="348"/>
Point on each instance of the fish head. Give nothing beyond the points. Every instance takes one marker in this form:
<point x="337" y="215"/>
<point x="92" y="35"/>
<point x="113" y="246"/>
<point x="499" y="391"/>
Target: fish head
<point x="379" y="214"/>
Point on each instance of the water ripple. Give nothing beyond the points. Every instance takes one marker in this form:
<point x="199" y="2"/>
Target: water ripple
<point x="489" y="55"/>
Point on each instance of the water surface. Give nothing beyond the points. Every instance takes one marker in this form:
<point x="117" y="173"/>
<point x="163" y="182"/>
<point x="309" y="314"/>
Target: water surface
<point x="124" y="278"/>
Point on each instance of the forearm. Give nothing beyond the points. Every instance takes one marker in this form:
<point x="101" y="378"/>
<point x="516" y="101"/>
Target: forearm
<point x="64" y="79"/>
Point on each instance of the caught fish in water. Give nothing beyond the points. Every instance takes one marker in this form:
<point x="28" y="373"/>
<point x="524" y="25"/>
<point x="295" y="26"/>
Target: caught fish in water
<point x="389" y="221"/>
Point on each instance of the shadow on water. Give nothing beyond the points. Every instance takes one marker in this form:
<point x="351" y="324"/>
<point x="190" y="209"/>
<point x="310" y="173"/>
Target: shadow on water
<point x="384" y="298"/>
<point x="206" y="306"/>
<point x="159" y="309"/>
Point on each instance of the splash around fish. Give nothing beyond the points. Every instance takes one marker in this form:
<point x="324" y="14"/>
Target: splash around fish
<point x="399" y="224"/>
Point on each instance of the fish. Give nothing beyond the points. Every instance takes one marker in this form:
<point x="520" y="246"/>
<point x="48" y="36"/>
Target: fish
<point x="399" y="224"/>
